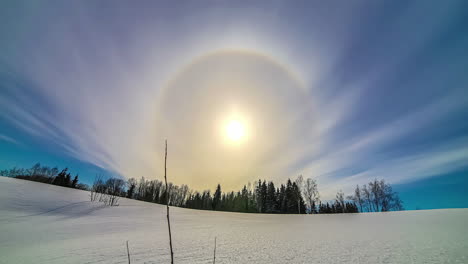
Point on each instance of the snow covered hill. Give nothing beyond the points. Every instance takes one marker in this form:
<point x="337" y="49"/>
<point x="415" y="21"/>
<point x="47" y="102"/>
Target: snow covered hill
<point x="42" y="223"/>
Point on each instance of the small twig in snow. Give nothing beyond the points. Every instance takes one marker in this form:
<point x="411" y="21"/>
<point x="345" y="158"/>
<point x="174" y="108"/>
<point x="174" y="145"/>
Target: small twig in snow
<point x="128" y="253"/>
<point x="214" y="253"/>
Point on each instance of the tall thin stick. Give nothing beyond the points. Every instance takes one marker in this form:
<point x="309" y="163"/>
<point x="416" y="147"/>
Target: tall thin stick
<point x="128" y="253"/>
<point x="214" y="253"/>
<point x="167" y="206"/>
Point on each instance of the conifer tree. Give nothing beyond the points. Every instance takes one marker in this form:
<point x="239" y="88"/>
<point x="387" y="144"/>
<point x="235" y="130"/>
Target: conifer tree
<point x="67" y="182"/>
<point x="74" y="182"/>
<point x="271" y="198"/>
<point x="217" y="197"/>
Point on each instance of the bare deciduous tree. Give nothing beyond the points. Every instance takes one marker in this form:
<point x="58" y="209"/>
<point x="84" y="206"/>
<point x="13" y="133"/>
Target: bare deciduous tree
<point x="357" y="198"/>
<point x="377" y="196"/>
<point x="311" y="194"/>
<point x="131" y="185"/>
<point x="96" y="188"/>
<point x="107" y="192"/>
<point x="114" y="189"/>
<point x="340" y="199"/>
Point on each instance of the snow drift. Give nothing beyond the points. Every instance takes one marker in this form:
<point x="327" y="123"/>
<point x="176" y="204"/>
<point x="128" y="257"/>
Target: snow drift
<point x="41" y="223"/>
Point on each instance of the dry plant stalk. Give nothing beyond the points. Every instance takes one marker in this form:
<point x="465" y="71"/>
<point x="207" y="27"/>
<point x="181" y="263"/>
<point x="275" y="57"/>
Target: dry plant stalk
<point x="214" y="253"/>
<point x="128" y="253"/>
<point x="167" y="206"/>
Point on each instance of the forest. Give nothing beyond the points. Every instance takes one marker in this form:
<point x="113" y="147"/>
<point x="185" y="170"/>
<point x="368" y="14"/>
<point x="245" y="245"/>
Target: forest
<point x="299" y="196"/>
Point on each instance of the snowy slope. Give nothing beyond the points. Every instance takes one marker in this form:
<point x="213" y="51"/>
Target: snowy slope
<point x="42" y="223"/>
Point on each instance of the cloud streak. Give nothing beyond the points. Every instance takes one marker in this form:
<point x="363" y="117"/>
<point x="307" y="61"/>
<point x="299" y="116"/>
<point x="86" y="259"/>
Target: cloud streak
<point x="9" y="139"/>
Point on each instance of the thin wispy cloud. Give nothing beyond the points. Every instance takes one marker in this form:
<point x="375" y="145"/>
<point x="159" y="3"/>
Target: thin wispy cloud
<point x="8" y="139"/>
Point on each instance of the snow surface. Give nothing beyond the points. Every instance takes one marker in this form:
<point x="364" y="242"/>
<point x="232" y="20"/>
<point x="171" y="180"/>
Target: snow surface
<point x="41" y="223"/>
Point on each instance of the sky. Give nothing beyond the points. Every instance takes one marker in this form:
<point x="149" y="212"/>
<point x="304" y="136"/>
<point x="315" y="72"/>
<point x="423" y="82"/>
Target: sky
<point x="339" y="91"/>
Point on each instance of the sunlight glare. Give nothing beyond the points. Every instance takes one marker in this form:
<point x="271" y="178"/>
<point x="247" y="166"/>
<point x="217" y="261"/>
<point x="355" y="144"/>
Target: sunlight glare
<point x="235" y="130"/>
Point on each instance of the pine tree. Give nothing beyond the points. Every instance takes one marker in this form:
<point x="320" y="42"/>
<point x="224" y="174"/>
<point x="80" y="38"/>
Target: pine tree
<point x="67" y="182"/>
<point x="263" y="193"/>
<point x="271" y="198"/>
<point x="258" y="196"/>
<point x="60" y="179"/>
<point x="245" y="199"/>
<point x="217" y="197"/>
<point x="297" y="198"/>
<point x="74" y="182"/>
<point x="290" y="201"/>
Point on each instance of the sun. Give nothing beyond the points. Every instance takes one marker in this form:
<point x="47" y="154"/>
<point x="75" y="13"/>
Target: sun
<point x="235" y="130"/>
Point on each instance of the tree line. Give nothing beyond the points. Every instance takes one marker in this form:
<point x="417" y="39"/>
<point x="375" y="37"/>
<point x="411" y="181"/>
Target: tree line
<point x="299" y="196"/>
<point x="46" y="174"/>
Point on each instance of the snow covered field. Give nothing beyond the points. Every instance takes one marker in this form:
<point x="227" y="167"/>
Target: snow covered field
<point x="42" y="223"/>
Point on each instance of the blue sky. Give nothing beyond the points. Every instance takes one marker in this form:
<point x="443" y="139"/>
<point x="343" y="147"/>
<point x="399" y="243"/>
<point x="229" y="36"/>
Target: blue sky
<point x="340" y="91"/>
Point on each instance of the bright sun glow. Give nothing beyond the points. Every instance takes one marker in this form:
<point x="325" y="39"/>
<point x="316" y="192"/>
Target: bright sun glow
<point x="235" y="130"/>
